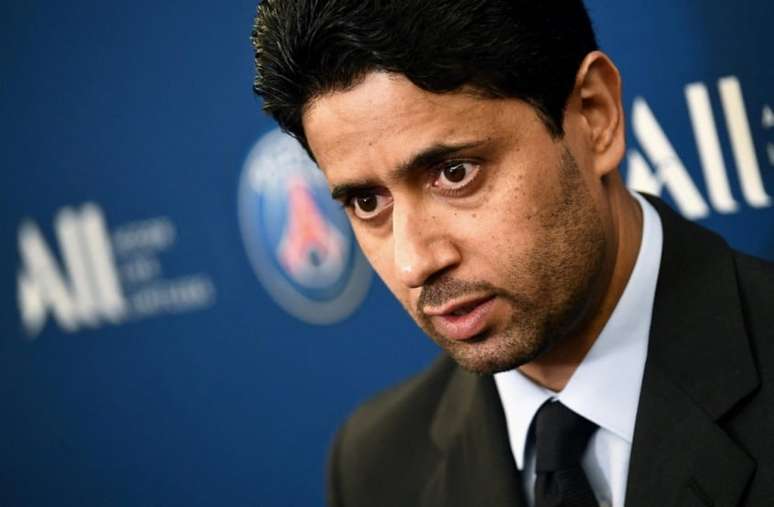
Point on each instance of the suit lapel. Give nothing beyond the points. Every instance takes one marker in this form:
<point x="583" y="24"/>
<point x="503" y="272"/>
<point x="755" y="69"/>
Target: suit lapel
<point x="476" y="466"/>
<point x="699" y="367"/>
<point x="680" y="456"/>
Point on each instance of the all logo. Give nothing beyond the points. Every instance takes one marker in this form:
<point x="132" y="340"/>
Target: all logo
<point x="666" y="170"/>
<point x="104" y="277"/>
<point x="297" y="238"/>
<point x="86" y="292"/>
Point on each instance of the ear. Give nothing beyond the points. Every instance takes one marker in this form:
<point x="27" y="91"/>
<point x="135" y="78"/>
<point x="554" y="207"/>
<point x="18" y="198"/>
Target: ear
<point x="597" y="97"/>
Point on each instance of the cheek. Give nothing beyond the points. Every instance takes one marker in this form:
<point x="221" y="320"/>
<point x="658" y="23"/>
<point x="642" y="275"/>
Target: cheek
<point x="501" y="223"/>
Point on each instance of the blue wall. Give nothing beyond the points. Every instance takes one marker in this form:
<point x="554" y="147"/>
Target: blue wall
<point x="149" y="354"/>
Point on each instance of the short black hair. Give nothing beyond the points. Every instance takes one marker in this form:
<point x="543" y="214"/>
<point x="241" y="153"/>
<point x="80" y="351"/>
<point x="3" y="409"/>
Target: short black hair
<point x="526" y="49"/>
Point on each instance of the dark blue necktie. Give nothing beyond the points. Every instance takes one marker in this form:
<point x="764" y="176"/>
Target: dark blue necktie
<point x="561" y="436"/>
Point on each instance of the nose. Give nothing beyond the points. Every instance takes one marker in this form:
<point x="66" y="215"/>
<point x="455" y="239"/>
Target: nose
<point x="422" y="246"/>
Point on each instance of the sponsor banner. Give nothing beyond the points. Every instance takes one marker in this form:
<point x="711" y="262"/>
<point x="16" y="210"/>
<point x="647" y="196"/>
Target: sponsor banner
<point x="105" y="277"/>
<point x="655" y="166"/>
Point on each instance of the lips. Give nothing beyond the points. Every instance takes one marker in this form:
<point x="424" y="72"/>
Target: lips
<point x="462" y="319"/>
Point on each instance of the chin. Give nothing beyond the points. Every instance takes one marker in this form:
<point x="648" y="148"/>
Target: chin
<point x="492" y="353"/>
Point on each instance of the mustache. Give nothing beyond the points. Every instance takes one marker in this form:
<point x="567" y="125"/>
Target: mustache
<point x="441" y="290"/>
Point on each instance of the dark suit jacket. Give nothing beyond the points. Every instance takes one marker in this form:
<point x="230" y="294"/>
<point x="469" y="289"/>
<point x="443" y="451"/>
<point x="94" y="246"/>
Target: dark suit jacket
<point x="705" y="424"/>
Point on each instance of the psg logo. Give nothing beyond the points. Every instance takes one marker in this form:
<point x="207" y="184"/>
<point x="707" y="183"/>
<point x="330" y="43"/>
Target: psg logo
<point x="297" y="238"/>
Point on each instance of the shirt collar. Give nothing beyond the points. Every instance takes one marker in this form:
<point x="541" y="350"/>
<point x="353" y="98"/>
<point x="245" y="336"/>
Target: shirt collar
<point x="619" y="352"/>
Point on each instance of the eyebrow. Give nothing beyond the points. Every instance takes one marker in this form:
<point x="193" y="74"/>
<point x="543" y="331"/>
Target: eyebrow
<point x="428" y="157"/>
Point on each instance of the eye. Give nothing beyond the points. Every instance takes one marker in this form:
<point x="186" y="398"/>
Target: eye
<point x="456" y="175"/>
<point x="368" y="206"/>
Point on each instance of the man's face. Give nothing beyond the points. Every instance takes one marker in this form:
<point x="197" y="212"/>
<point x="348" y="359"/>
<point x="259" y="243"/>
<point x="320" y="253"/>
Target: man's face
<point x="486" y="229"/>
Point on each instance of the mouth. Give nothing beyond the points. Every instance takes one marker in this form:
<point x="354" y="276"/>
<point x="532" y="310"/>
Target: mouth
<point x="462" y="319"/>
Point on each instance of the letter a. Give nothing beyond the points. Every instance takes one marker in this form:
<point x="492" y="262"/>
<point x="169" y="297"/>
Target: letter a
<point x="670" y="172"/>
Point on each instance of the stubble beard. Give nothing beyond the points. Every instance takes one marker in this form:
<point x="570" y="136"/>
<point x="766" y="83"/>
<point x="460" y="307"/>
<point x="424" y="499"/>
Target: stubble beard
<point x="556" y="293"/>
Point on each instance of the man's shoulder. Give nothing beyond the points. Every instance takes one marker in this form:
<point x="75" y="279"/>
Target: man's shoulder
<point x="409" y="405"/>
<point x="385" y="450"/>
<point x="702" y="258"/>
<point x="755" y="278"/>
<point x="755" y="274"/>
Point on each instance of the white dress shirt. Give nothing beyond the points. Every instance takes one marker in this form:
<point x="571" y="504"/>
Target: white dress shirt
<point x="605" y="388"/>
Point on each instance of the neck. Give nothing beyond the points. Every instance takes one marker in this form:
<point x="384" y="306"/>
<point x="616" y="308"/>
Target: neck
<point x="555" y="367"/>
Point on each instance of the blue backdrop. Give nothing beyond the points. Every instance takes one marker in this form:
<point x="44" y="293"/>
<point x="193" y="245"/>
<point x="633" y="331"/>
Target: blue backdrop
<point x="183" y="317"/>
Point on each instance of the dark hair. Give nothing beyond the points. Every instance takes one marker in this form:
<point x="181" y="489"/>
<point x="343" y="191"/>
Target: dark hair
<point x="526" y="49"/>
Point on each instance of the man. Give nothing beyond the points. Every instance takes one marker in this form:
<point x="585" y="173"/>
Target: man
<point x="601" y="350"/>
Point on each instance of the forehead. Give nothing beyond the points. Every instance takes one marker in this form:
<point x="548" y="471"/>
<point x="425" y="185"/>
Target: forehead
<point x="384" y="117"/>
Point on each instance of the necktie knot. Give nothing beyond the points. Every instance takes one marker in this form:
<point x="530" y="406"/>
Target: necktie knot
<point x="561" y="436"/>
